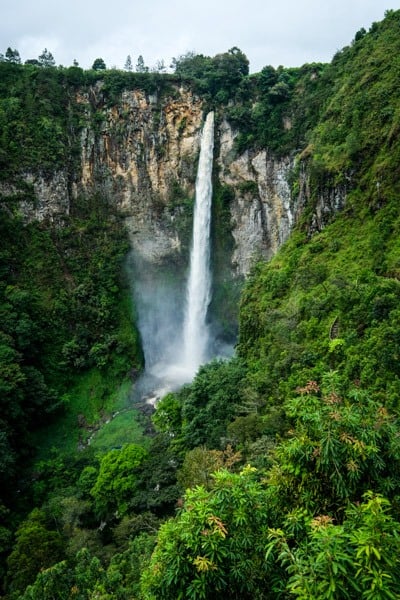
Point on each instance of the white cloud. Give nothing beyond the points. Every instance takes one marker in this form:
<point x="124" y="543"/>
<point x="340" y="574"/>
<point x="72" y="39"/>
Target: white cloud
<point x="287" y="32"/>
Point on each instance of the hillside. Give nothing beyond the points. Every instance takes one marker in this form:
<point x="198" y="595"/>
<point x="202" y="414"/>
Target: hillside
<point x="329" y="299"/>
<point x="274" y="474"/>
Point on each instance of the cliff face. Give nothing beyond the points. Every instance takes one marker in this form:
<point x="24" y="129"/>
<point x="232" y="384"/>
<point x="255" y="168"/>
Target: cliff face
<point x="141" y="152"/>
<point x="146" y="149"/>
<point x="262" y="210"/>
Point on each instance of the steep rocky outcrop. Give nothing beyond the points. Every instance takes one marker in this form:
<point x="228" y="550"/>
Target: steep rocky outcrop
<point x="42" y="197"/>
<point x="262" y="211"/>
<point x="147" y="147"/>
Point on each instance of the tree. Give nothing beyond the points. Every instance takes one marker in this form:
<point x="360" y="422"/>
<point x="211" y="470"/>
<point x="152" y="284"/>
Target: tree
<point x="360" y="34"/>
<point x="198" y="466"/>
<point x="13" y="56"/>
<point x="340" y="448"/>
<point x="81" y="579"/>
<point x="128" y="63"/>
<point x="124" y="571"/>
<point x="99" y="65"/>
<point x="157" y="489"/>
<point x="160" y="67"/>
<point x="46" y="59"/>
<point x="84" y="577"/>
<point x="167" y="417"/>
<point x="218" y="75"/>
<point x="211" y="402"/>
<point x="189" y="64"/>
<point x="36" y="548"/>
<point x="268" y="77"/>
<point x="353" y="560"/>
<point x="216" y="544"/>
<point x="116" y="480"/>
<point x="140" y="66"/>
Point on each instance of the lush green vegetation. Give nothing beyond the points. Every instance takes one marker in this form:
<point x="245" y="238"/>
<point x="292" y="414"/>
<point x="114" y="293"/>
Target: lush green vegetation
<point x="215" y="78"/>
<point x="273" y="475"/>
<point x="67" y="341"/>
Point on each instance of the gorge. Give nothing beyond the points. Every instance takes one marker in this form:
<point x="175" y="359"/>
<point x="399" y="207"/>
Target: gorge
<point x="273" y="473"/>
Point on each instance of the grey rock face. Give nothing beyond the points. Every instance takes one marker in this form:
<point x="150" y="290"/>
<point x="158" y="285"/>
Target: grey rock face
<point x="142" y="154"/>
<point x="262" y="211"/>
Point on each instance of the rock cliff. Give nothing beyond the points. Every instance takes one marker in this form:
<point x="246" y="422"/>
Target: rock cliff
<point x="144" y="153"/>
<point x="262" y="210"/>
<point x="141" y="152"/>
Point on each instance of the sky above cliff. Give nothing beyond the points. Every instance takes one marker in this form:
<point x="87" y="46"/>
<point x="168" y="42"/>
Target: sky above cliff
<point x="269" y="32"/>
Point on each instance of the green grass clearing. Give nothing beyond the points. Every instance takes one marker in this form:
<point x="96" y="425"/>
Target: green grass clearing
<point x="125" y="428"/>
<point x="92" y="400"/>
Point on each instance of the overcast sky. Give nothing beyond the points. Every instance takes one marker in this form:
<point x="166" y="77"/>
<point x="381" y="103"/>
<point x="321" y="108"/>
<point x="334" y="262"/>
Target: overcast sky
<point x="269" y="32"/>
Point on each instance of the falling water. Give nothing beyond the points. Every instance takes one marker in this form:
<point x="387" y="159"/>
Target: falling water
<point x="173" y="354"/>
<point x="195" y="330"/>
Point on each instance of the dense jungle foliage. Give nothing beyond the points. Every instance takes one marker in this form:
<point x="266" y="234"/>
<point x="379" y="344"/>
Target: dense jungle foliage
<point x="273" y="475"/>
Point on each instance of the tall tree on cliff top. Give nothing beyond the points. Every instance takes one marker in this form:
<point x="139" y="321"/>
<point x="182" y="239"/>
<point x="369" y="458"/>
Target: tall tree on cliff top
<point x="128" y="63"/>
<point x="13" y="56"/>
<point x="46" y="59"/>
<point x="99" y="65"/>
<point x="140" y="66"/>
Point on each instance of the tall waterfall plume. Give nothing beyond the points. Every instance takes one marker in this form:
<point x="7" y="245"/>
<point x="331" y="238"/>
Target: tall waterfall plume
<point x="198" y="293"/>
<point x="175" y="337"/>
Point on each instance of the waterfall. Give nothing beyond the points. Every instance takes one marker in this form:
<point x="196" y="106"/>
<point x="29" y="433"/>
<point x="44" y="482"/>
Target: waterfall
<point x="175" y="335"/>
<point x="198" y="293"/>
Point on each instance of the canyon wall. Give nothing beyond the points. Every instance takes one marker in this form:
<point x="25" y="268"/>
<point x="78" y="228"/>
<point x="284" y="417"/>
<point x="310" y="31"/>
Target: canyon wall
<point x="141" y="153"/>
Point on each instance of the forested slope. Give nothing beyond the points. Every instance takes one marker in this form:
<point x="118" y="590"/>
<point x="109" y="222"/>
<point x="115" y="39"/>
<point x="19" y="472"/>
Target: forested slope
<point x="315" y="404"/>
